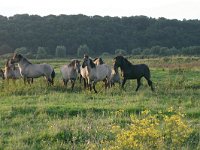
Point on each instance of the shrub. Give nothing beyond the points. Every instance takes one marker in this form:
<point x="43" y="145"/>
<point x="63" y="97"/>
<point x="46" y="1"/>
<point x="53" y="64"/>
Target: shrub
<point x="150" y="131"/>
<point x="61" y="51"/>
<point x="41" y="53"/>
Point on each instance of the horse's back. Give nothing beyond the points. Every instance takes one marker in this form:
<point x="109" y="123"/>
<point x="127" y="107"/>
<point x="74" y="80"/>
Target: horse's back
<point x="37" y="70"/>
<point x="139" y="70"/>
<point x="103" y="71"/>
<point x="68" y="72"/>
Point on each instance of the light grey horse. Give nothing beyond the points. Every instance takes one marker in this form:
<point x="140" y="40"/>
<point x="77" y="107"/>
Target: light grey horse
<point x="29" y="70"/>
<point x="70" y="72"/>
<point x="96" y="73"/>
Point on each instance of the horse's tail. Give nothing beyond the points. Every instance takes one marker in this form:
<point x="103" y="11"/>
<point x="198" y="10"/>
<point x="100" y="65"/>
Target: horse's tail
<point x="147" y="73"/>
<point x="148" y="76"/>
<point x="53" y="74"/>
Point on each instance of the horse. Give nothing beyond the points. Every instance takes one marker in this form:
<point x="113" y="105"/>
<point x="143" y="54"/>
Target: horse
<point x="115" y="78"/>
<point x="83" y="75"/>
<point x="13" y="72"/>
<point x="98" y="61"/>
<point x="70" y="72"/>
<point x="29" y="70"/>
<point x="95" y="73"/>
<point x="130" y="71"/>
<point x="2" y="74"/>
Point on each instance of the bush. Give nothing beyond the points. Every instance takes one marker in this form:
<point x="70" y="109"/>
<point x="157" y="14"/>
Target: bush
<point x="120" y="52"/>
<point x="41" y="53"/>
<point x="148" y="131"/>
<point x="83" y="49"/>
<point x="60" y="51"/>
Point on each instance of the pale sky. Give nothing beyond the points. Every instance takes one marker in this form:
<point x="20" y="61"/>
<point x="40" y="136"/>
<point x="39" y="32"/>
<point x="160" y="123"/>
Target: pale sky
<point x="170" y="9"/>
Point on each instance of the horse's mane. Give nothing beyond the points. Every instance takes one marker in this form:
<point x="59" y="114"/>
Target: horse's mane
<point x="95" y="59"/>
<point x="6" y="65"/>
<point x="99" y="59"/>
<point x="25" y="59"/>
<point x="92" y="64"/>
<point x="72" y="63"/>
<point x="128" y="63"/>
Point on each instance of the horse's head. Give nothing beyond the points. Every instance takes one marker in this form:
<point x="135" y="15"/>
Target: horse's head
<point x="2" y="74"/>
<point x="16" y="58"/>
<point x="88" y="62"/>
<point x="98" y="61"/>
<point x="9" y="64"/>
<point x="76" y="65"/>
<point x="118" y="61"/>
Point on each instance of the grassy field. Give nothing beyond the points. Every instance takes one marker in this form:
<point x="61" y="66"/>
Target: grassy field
<point x="42" y="117"/>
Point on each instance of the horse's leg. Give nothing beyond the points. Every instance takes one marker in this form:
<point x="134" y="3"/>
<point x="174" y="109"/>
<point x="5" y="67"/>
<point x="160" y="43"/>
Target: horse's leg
<point x="73" y="82"/>
<point x="105" y="83"/>
<point x="30" y="81"/>
<point x="80" y="78"/>
<point x="66" y="81"/>
<point x="50" y="81"/>
<point x="150" y="83"/>
<point x="89" y="84"/>
<point x="138" y="84"/>
<point x="84" y="83"/>
<point x="25" y="80"/>
<point x="93" y="85"/>
<point x="123" y="82"/>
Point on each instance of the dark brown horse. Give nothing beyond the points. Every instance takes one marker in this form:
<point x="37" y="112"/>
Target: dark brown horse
<point x="130" y="71"/>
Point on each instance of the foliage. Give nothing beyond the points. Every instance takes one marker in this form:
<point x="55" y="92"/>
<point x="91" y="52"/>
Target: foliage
<point x="22" y="50"/>
<point x="98" y="33"/>
<point x="42" y="117"/>
<point x="60" y="51"/>
<point x="41" y="53"/>
<point x="152" y="131"/>
<point x="83" y="49"/>
<point x="120" y="52"/>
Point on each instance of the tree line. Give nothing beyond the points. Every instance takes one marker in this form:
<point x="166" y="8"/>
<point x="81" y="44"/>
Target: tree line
<point x="64" y="35"/>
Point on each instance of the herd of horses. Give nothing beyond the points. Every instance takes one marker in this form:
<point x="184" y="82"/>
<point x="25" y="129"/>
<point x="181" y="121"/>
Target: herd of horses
<point x="90" y="71"/>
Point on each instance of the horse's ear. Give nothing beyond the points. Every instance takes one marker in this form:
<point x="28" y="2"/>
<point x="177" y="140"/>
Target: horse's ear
<point x="86" y="56"/>
<point x="7" y="62"/>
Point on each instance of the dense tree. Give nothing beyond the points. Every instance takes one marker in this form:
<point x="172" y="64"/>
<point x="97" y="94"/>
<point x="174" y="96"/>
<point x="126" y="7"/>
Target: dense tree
<point x="120" y="52"/>
<point x="101" y="34"/>
<point x="61" y="51"/>
<point x="22" y="50"/>
<point x="41" y="53"/>
<point x="83" y="49"/>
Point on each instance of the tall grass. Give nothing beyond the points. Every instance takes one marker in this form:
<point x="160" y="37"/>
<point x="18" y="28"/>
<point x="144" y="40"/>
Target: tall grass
<point x="40" y="117"/>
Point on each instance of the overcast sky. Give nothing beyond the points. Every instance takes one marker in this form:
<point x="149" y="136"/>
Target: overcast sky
<point x="171" y="9"/>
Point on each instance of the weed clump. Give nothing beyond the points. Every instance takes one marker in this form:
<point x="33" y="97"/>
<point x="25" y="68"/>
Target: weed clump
<point x="152" y="131"/>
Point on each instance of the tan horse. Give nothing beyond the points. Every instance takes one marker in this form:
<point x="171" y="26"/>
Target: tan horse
<point x="13" y="72"/>
<point x="70" y="72"/>
<point x="29" y="70"/>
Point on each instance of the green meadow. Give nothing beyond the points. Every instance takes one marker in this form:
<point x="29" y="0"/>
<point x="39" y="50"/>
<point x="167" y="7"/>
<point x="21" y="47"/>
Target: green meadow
<point x="38" y="116"/>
